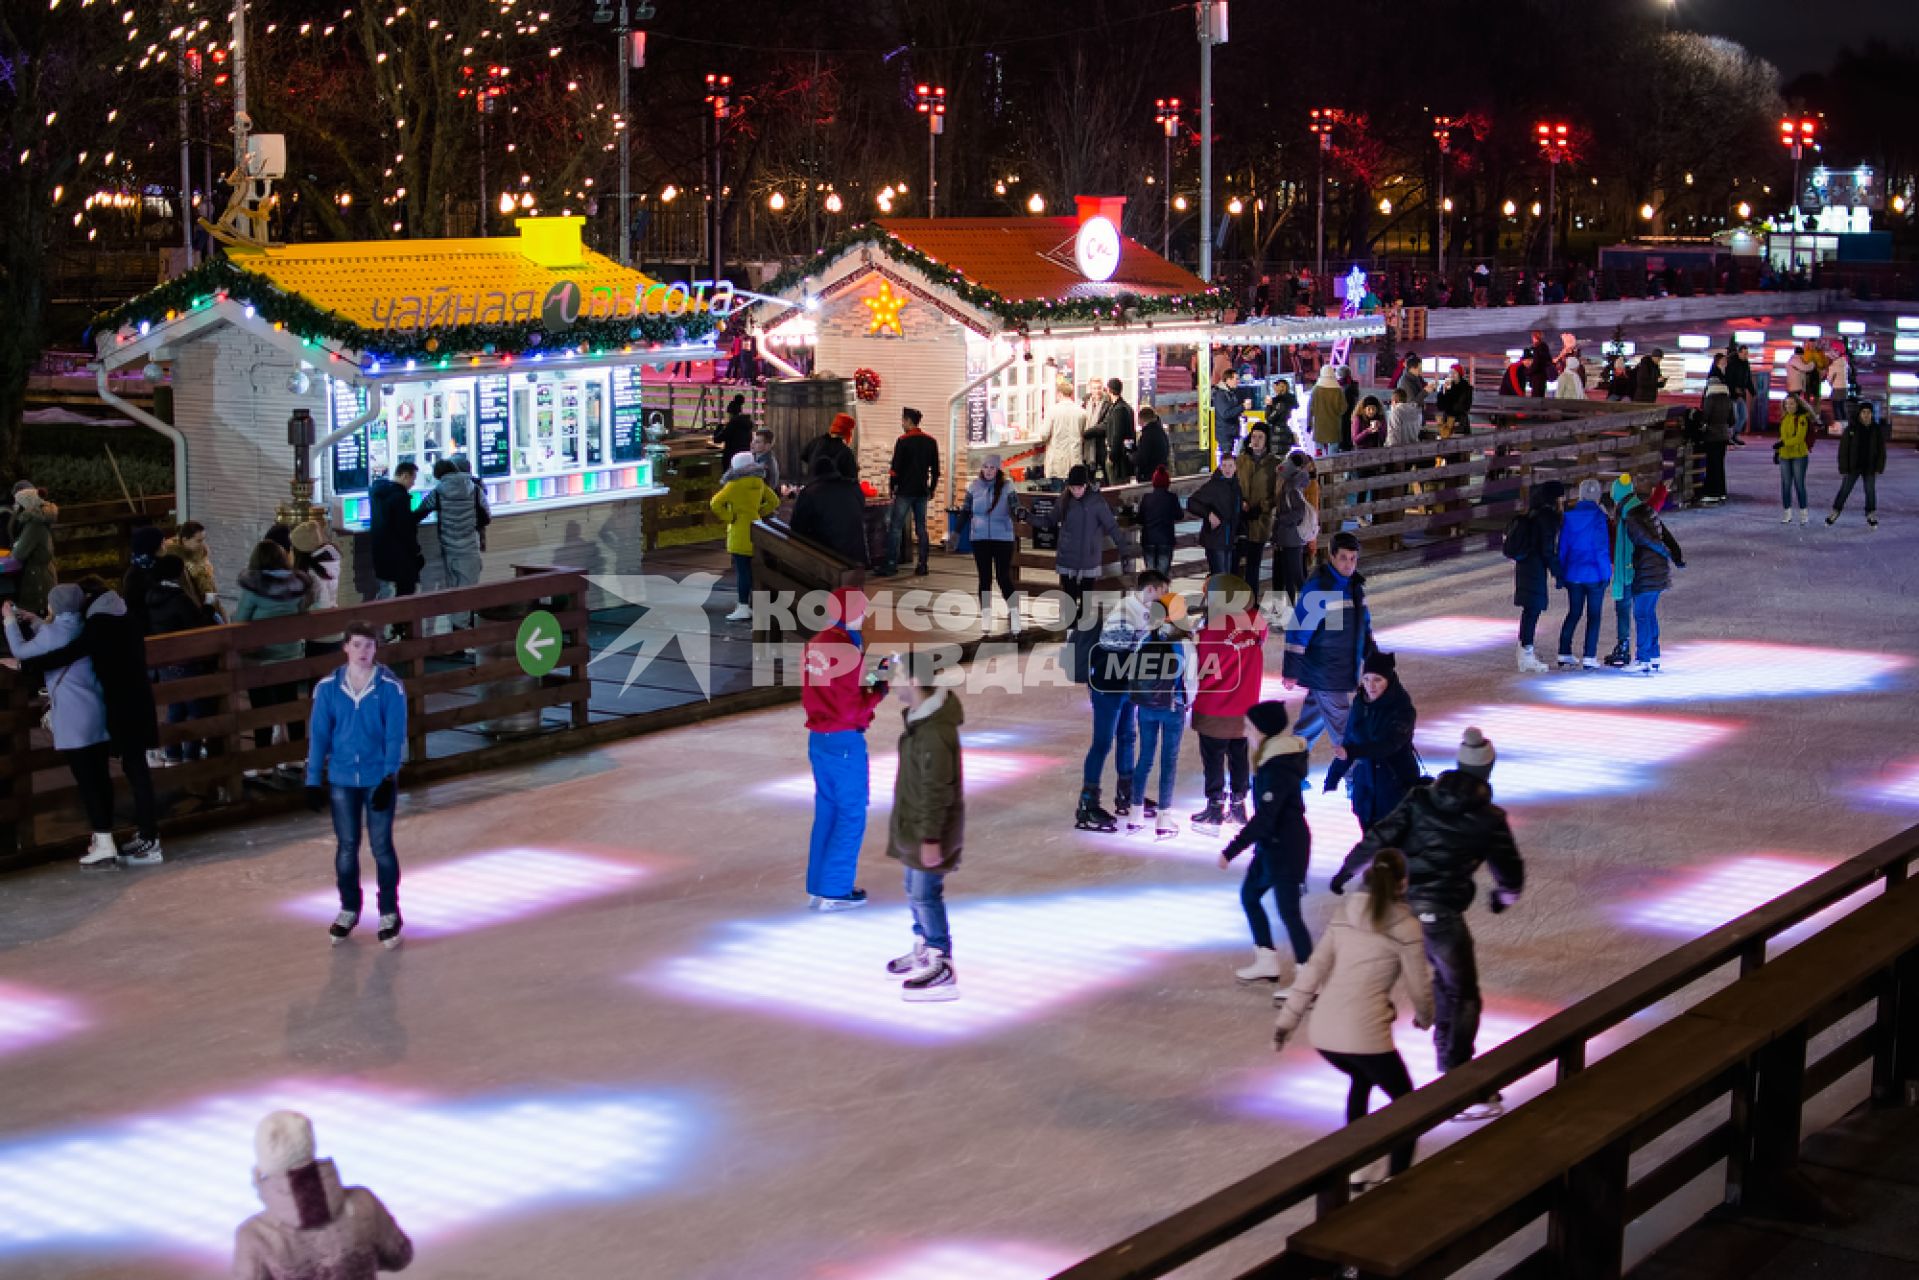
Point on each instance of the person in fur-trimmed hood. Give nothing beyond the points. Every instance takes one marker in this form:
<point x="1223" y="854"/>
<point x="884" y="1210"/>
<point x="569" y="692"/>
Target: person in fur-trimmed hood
<point x="312" y="1227"/>
<point x="928" y="828"/>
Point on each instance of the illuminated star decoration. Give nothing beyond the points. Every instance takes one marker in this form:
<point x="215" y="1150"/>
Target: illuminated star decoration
<point x="885" y="308"/>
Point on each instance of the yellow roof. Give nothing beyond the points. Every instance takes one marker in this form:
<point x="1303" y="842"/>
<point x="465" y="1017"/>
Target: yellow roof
<point x="363" y="280"/>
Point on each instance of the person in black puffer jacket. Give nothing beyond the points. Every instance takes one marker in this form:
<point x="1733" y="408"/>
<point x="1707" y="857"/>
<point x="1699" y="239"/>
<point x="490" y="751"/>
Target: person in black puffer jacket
<point x="832" y="512"/>
<point x="1377" y="750"/>
<point x="1447" y="829"/>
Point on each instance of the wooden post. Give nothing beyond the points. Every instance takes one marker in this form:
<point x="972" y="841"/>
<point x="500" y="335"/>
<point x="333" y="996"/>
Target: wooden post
<point x="17" y="834"/>
<point x="1586" y="1231"/>
<point x="1771" y="1136"/>
<point x="232" y="702"/>
<point x="1895" y="1058"/>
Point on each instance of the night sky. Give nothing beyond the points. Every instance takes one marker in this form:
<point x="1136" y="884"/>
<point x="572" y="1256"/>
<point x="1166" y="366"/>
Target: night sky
<point x="1798" y="37"/>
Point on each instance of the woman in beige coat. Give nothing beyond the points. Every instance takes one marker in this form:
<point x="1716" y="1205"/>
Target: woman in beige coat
<point x="1373" y="946"/>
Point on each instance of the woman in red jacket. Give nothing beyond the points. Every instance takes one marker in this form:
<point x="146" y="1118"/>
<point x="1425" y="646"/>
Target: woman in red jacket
<point x="1231" y="665"/>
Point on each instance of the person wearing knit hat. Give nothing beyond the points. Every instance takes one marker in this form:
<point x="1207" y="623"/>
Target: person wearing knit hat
<point x="1281" y="841"/>
<point x="839" y="699"/>
<point x="1326" y="410"/>
<point x="311" y="1226"/>
<point x="835" y="444"/>
<point x="1619" y="493"/>
<point x="743" y="499"/>
<point x="1531" y="542"/>
<point x="1476" y="754"/>
<point x="1377" y="748"/>
<point x="1159" y="517"/>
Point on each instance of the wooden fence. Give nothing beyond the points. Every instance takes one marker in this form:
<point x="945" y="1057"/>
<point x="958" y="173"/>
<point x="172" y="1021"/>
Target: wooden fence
<point x="210" y="672"/>
<point x="96" y="537"/>
<point x="1567" y="1155"/>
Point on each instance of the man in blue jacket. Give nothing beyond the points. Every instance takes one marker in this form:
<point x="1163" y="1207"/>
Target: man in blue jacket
<point x="356" y="741"/>
<point x="1327" y="641"/>
<point x="1585" y="569"/>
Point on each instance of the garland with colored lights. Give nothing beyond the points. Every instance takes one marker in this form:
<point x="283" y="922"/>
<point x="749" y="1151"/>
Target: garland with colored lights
<point x="202" y="285"/>
<point x="1119" y="307"/>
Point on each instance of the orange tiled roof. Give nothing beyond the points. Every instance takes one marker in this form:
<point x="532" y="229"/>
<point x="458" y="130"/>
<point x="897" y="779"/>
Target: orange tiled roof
<point x="1028" y="259"/>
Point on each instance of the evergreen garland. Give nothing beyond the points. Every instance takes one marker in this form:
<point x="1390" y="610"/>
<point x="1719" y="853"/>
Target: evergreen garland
<point x="216" y="276"/>
<point x="1023" y="311"/>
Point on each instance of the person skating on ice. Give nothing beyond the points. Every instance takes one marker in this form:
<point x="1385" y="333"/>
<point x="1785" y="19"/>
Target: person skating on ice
<point x="355" y="745"/>
<point x="839" y="697"/>
<point x="1327" y="640"/>
<point x="1281" y="841"/>
<point x="1232" y="643"/>
<point x="1377" y="751"/>
<point x="1109" y="675"/>
<point x="1447" y="829"/>
<point x="312" y="1228"/>
<point x="1165" y="678"/>
<point x="928" y="828"/>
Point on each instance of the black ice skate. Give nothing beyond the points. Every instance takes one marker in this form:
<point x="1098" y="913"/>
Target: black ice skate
<point x="1620" y="656"/>
<point x="1090" y="816"/>
<point x="390" y="931"/>
<point x="1236" y="811"/>
<point x="1123" y="798"/>
<point x="1209" y="819"/>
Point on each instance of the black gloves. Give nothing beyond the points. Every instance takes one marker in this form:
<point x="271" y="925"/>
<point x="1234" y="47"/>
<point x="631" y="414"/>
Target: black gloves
<point x="383" y="795"/>
<point x="1338" y="885"/>
<point x="317" y="799"/>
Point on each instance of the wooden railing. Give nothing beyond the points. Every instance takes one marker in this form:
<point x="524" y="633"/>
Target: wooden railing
<point x="1565" y="1154"/>
<point x="213" y="672"/>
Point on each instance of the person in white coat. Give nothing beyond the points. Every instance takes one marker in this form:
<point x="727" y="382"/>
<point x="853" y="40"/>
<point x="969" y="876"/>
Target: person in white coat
<point x="1065" y="424"/>
<point x="1372" y="947"/>
<point x="1571" y="384"/>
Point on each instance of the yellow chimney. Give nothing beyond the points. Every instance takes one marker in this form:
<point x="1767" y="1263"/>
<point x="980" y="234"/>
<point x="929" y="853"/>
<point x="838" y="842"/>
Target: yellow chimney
<point x="551" y="242"/>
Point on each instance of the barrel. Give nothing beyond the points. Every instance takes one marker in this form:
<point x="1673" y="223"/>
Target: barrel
<point x="799" y="410"/>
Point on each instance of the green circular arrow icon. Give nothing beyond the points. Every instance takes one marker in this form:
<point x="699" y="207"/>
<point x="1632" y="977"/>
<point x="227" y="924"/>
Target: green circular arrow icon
<point x="539" y="643"/>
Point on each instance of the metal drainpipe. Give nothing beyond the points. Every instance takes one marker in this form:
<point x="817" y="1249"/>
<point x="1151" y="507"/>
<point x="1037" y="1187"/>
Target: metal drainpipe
<point x="167" y="429"/>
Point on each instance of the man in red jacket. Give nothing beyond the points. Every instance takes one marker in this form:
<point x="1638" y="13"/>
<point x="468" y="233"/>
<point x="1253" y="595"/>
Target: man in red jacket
<point x="839" y="699"/>
<point x="1231" y="667"/>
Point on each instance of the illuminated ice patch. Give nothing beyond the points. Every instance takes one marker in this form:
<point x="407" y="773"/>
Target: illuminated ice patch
<point x="1549" y="752"/>
<point x="1903" y="789"/>
<point x="1724" y="669"/>
<point x="1330" y="817"/>
<point x="1700" y="901"/>
<point x="1017" y="958"/>
<point x="181" y="1179"/>
<point x="29" y="1017"/>
<point x="487" y="889"/>
<point x="961" y="1260"/>
<point x="1448" y="635"/>
<point x="983" y="769"/>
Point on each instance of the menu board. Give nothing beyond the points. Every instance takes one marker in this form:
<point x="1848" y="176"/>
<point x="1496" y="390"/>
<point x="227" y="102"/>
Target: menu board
<point x="494" y="416"/>
<point x="629" y="416"/>
<point x="1148" y="373"/>
<point x="350" y="471"/>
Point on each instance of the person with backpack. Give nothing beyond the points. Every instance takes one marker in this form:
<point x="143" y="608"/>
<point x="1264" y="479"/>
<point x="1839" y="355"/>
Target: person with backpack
<point x="1584" y="568"/>
<point x="1159" y="517"/>
<point x="1377" y="749"/>
<point x="1281" y="842"/>
<point x="1372" y="948"/>
<point x="1862" y="456"/>
<point x="1231" y="645"/>
<point x="1793" y="453"/>
<point x="1165" y="679"/>
<point x="1531" y="542"/>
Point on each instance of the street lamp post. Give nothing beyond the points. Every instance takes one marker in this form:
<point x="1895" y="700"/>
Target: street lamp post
<point x="1797" y="135"/>
<point x="1166" y="116"/>
<point x="1553" y="139"/>
<point x="932" y="105"/>
<point x="1443" y="134"/>
<point x="1323" y="120"/>
<point x="1212" y="31"/>
<point x="719" y="96"/>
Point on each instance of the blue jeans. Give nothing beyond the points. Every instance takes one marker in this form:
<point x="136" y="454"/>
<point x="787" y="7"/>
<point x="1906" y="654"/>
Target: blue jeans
<point x="1115" y="715"/>
<point x="351" y="806"/>
<point x="1582" y="599"/>
<point x="926" y="894"/>
<point x="1161" y="728"/>
<point x="896" y="529"/>
<point x="743" y="578"/>
<point x="1738" y="416"/>
<point x="1645" y="616"/>
<point x="1261" y="877"/>
<point x="839" y="811"/>
<point x="1324" y="711"/>
<point x="1792" y="479"/>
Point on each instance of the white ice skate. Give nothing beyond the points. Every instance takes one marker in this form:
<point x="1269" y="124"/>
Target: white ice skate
<point x="1264" y="968"/>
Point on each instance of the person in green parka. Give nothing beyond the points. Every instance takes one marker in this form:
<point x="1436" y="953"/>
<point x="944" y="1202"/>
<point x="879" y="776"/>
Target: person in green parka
<point x="30" y="541"/>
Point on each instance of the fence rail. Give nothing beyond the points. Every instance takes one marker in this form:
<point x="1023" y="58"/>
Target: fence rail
<point x="1568" y="1160"/>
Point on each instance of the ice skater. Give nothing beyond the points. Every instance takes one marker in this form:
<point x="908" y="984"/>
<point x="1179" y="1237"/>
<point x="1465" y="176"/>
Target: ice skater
<point x="839" y="698"/>
<point x="312" y="1227"/>
<point x="1109" y="676"/>
<point x="1281" y="841"/>
<point x="355" y="745"/>
<point x="1327" y="641"/>
<point x="1651" y="551"/>
<point x="1165" y="678"/>
<point x="1377" y="751"/>
<point x="928" y="829"/>
<point x="1232" y="642"/>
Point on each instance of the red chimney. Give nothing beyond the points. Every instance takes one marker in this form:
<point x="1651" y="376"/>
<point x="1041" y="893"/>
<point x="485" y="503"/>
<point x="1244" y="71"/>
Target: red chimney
<point x="1108" y="207"/>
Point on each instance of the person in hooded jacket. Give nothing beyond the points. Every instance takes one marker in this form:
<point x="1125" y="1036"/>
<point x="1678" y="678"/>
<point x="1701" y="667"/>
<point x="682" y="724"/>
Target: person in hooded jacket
<point x="1231" y="645"/>
<point x="1216" y="504"/>
<point x="272" y="588"/>
<point x="832" y="512"/>
<point x="1584" y="568"/>
<point x="1652" y="552"/>
<point x="836" y="445"/>
<point x="1448" y="829"/>
<point x="78" y="710"/>
<point x="1295" y="524"/>
<point x="1862" y="456"/>
<point x="1155" y="449"/>
<point x="30" y="538"/>
<point x="1281" y="841"/>
<point x="311" y="1228"/>
<point x="928" y="829"/>
<point x="742" y="500"/>
<point x="1715" y="406"/>
<point x="1377" y="750"/>
<point x="1371" y="948"/>
<point x="1258" y="475"/>
<point x="1533" y="548"/>
<point x="458" y="500"/>
<point x="1326" y="411"/>
<point x="1159" y="516"/>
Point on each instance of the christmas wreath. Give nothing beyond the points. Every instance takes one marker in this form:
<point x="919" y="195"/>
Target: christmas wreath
<point x="866" y="384"/>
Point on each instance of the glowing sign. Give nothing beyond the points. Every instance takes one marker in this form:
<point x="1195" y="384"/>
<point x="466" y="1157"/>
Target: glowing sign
<point x="1096" y="249"/>
<point x="884" y="309"/>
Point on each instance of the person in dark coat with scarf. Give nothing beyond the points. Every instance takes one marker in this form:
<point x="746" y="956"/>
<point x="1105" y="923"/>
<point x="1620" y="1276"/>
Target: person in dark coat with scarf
<point x="1155" y="447"/>
<point x="1862" y="456"/>
<point x="1216" y="505"/>
<point x="831" y="511"/>
<point x="1377" y="751"/>
<point x="1536" y="561"/>
<point x="1159" y="516"/>
<point x="1282" y="844"/>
